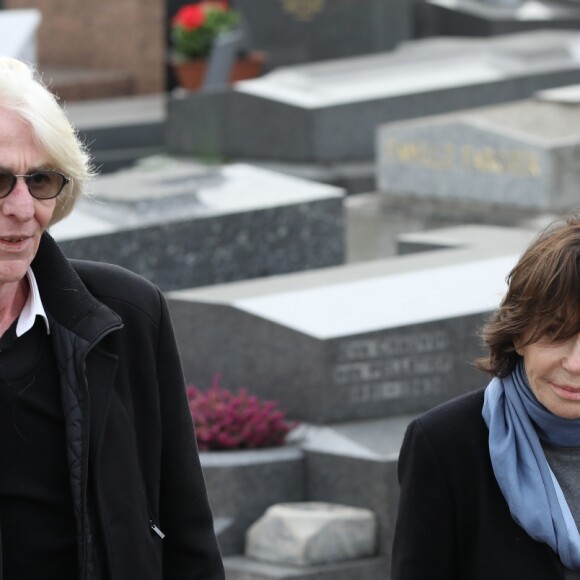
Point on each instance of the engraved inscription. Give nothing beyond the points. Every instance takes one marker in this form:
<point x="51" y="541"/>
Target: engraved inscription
<point x="303" y="10"/>
<point x="381" y="369"/>
<point x="394" y="367"/>
<point x="387" y="390"/>
<point x="521" y="163"/>
<point x="368" y="348"/>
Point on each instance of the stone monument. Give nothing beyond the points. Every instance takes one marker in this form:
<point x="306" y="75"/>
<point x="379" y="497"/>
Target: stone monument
<point x="327" y="112"/>
<point x="520" y="154"/>
<point x="182" y="224"/>
<point x="493" y="17"/>
<point x="358" y="341"/>
<point x="298" y="31"/>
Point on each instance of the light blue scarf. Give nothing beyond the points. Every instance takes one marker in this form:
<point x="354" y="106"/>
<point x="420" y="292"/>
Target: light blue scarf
<point x="516" y="422"/>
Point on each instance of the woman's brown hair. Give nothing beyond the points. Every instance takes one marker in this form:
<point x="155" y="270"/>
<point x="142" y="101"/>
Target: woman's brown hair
<point x="543" y="297"/>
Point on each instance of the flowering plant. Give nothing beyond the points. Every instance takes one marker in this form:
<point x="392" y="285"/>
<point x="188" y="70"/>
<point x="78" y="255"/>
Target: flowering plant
<point x="224" y="420"/>
<point x="195" y="27"/>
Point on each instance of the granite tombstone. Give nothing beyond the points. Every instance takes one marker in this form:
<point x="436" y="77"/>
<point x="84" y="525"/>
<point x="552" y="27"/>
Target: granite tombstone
<point x="358" y="341"/>
<point x="182" y="224"/>
<point x="492" y="17"/>
<point x="328" y="112"/>
<point x="356" y="463"/>
<point x="297" y="31"/>
<point x="521" y="154"/>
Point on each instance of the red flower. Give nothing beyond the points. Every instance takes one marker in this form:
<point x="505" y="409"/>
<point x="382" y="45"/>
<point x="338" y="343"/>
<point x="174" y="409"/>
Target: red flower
<point x="190" y="17"/>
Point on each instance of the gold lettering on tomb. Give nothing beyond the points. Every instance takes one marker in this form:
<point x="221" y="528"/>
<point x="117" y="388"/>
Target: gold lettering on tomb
<point x="303" y="10"/>
<point x="523" y="163"/>
<point x="421" y="153"/>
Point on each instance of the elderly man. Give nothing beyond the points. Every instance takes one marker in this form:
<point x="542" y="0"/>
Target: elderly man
<point x="489" y="481"/>
<point x="99" y="471"/>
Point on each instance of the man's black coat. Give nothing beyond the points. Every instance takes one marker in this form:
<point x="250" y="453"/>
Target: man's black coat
<point x="131" y="446"/>
<point x="453" y="521"/>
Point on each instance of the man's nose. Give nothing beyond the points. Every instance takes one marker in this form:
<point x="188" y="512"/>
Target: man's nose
<point x="18" y="203"/>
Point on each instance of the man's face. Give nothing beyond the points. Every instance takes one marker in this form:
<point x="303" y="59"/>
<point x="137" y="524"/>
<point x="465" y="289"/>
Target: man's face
<point x="553" y="371"/>
<point x="22" y="217"/>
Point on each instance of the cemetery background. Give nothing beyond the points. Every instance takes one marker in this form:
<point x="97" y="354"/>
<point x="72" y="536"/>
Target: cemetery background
<point x="332" y="254"/>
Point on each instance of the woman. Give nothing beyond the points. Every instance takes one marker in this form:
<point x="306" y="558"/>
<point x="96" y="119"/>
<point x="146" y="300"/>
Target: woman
<point x="489" y="481"/>
<point x="99" y="471"/>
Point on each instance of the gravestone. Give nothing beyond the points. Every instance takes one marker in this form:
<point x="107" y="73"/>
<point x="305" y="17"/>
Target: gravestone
<point x="297" y="31"/>
<point x="328" y="112"/>
<point x="242" y="484"/>
<point x="354" y="342"/>
<point x="521" y="154"/>
<point x="493" y="17"/>
<point x="181" y="224"/>
<point x="356" y="463"/>
<point x="18" y="30"/>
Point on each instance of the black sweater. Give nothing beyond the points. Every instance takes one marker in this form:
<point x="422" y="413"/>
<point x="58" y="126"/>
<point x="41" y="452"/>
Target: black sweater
<point x="38" y="536"/>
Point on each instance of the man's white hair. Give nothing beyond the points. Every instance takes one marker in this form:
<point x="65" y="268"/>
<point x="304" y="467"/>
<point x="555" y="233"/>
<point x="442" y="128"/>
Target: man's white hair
<point x="24" y="94"/>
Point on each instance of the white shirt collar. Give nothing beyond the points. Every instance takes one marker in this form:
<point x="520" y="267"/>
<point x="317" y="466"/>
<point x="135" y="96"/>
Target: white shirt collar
<point x="32" y="308"/>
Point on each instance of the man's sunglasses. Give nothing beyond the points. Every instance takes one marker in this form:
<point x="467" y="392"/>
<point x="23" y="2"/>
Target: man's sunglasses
<point x="41" y="184"/>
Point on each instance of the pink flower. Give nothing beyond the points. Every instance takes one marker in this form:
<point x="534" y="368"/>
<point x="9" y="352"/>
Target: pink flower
<point x="225" y="420"/>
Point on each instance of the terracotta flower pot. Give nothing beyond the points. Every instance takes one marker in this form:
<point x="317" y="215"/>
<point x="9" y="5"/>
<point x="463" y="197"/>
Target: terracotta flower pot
<point x="190" y="73"/>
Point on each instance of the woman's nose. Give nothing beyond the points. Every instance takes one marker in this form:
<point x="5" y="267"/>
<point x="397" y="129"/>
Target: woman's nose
<point x="572" y="359"/>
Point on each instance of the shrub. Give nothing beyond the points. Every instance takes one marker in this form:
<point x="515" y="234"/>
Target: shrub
<point x="224" y="420"/>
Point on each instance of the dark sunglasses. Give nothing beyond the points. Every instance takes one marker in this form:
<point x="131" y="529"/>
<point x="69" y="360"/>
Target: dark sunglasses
<point x="41" y="184"/>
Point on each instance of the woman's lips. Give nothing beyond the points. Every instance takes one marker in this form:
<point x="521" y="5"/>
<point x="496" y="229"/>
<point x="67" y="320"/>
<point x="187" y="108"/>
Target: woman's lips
<point x="569" y="392"/>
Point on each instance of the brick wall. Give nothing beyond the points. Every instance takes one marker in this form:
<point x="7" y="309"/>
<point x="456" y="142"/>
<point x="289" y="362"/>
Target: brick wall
<point x="126" y="36"/>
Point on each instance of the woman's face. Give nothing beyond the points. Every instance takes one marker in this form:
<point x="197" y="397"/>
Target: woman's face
<point x="553" y="371"/>
<point x="22" y="217"/>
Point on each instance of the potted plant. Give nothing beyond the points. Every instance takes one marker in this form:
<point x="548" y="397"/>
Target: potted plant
<point x="194" y="29"/>
<point x="245" y="460"/>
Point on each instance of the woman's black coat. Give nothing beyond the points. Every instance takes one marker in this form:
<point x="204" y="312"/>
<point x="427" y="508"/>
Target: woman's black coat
<point x="132" y="453"/>
<point x="453" y="522"/>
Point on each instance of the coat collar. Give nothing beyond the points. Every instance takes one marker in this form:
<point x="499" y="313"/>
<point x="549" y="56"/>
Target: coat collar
<point x="66" y="298"/>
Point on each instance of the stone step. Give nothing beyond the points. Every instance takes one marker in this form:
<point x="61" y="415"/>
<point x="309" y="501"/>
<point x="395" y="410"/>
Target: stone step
<point x="241" y="568"/>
